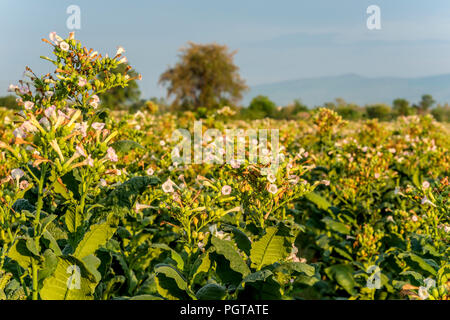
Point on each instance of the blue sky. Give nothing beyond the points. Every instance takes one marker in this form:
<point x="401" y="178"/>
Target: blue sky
<point x="276" y="40"/>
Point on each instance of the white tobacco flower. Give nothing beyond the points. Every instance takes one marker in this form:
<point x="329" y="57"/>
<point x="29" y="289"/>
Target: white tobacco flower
<point x="27" y="126"/>
<point x="28" y="105"/>
<point x="426" y="201"/>
<point x="80" y="151"/>
<point x="64" y="46"/>
<point x="24" y="184"/>
<point x="50" y="111"/>
<point x="112" y="156"/>
<point x="82" y="128"/>
<point x="12" y="88"/>
<point x="82" y="82"/>
<point x="98" y="126"/>
<point x="139" y="207"/>
<point x="123" y="60"/>
<point x="19" y="133"/>
<point x="423" y="293"/>
<point x="103" y="183"/>
<point x="120" y="50"/>
<point x="226" y="190"/>
<point x="90" y="161"/>
<point x="414" y="218"/>
<point x="168" y="186"/>
<point x="425" y="185"/>
<point x="54" y="37"/>
<point x="235" y="164"/>
<point x="150" y="171"/>
<point x="271" y="177"/>
<point x="273" y="189"/>
<point x="17" y="173"/>
<point x="45" y="123"/>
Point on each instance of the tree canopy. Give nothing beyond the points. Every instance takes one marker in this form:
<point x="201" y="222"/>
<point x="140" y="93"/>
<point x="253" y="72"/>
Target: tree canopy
<point x="205" y="76"/>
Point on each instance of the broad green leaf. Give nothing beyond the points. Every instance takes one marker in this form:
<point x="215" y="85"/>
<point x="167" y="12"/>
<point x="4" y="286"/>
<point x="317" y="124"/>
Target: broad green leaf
<point x="49" y="265"/>
<point x="269" y="249"/>
<point x="52" y="244"/>
<point x="124" y="146"/>
<point x="173" y="273"/>
<point x="70" y="281"/>
<point x="211" y="291"/>
<point x="72" y="219"/>
<point x="230" y="253"/>
<point x="21" y="254"/>
<point x="92" y="263"/>
<point x="297" y="267"/>
<point x="97" y="236"/>
<point x="241" y="239"/>
<point x="32" y="247"/>
<point x="343" y="275"/>
<point x="201" y="264"/>
<point x="336" y="225"/>
<point x="417" y="262"/>
<point x="125" y="194"/>
<point x="175" y="255"/>
<point x="318" y="200"/>
<point x="260" y="275"/>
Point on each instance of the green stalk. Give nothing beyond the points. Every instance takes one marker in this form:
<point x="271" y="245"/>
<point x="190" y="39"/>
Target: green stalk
<point x="39" y="205"/>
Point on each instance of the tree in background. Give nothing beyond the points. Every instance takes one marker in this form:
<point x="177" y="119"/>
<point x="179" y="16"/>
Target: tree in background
<point x="292" y="110"/>
<point x="261" y="107"/>
<point x="122" y="97"/>
<point x="441" y="112"/>
<point x="425" y="104"/>
<point x="205" y="76"/>
<point x="378" y="111"/>
<point x="401" y="107"/>
<point x="9" y="102"/>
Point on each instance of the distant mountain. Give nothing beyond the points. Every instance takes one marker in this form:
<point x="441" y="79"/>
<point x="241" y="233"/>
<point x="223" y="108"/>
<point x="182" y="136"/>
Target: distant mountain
<point x="353" y="88"/>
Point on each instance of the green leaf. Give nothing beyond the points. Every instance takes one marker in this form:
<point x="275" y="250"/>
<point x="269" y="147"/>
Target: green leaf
<point x="23" y="204"/>
<point x="201" y="265"/>
<point x="92" y="263"/>
<point x="97" y="236"/>
<point x="173" y="273"/>
<point x="211" y="291"/>
<point x="49" y="265"/>
<point x="226" y="249"/>
<point x="125" y="194"/>
<point x="297" y="267"/>
<point x="269" y="249"/>
<point x="336" y="226"/>
<point x="415" y="262"/>
<point x="260" y="275"/>
<point x="72" y="219"/>
<point x="70" y="281"/>
<point x="124" y="146"/>
<point x="21" y="254"/>
<point x="32" y="247"/>
<point x="318" y="200"/>
<point x="175" y="255"/>
<point x="343" y="275"/>
<point x="241" y="239"/>
<point x="52" y="244"/>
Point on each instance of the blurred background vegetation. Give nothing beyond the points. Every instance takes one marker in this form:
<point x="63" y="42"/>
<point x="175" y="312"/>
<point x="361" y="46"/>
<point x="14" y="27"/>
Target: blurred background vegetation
<point x="205" y="80"/>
